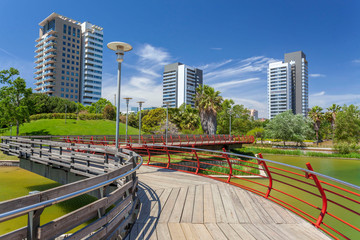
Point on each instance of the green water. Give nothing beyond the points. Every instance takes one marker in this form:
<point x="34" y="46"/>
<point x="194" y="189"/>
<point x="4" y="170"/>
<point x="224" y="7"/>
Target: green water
<point x="16" y="182"/>
<point x="343" y="169"/>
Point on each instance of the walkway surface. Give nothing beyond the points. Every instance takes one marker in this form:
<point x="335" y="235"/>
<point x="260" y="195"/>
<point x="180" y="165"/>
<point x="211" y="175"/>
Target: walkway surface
<point x="178" y="205"/>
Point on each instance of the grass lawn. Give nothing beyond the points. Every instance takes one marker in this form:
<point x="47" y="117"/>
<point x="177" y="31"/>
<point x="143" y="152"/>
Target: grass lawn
<point x="7" y="157"/>
<point x="72" y="127"/>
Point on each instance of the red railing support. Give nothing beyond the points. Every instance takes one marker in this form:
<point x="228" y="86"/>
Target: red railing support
<point x="263" y="163"/>
<point x="197" y="159"/>
<point x="208" y="139"/>
<point x="229" y="163"/>
<point x="214" y="138"/>
<point x="180" y="140"/>
<point x="167" y="152"/>
<point x="202" y="140"/>
<point x="162" y="139"/>
<point x="172" y="142"/>
<point x="194" y="138"/>
<point x="149" y="155"/>
<point x="323" y="195"/>
<point x="187" y="137"/>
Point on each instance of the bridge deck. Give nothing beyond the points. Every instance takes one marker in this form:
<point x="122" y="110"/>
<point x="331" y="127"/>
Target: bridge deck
<point x="178" y="205"/>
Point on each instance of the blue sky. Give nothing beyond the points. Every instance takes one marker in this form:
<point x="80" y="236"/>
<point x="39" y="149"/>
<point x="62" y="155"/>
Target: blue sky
<point x="232" y="41"/>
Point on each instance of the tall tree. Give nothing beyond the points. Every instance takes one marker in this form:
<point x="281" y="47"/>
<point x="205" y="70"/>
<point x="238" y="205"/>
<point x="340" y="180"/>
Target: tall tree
<point x="208" y="102"/>
<point x="317" y="116"/>
<point x="14" y="99"/>
<point x="331" y="116"/>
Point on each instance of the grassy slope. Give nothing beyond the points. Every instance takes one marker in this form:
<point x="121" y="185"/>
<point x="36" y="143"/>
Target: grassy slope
<point x="72" y="127"/>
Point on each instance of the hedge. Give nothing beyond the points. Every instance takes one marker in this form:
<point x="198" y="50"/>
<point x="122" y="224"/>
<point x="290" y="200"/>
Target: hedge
<point x="82" y="116"/>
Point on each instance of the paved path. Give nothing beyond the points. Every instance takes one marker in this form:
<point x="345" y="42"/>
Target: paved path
<point x="178" y="205"/>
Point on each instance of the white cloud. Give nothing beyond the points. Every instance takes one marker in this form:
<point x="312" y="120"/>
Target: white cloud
<point x="356" y="61"/>
<point x="325" y="100"/>
<point x="237" y="83"/>
<point x="216" y="48"/>
<point x="318" y="94"/>
<point x="212" y="66"/>
<point x="148" y="53"/>
<point x="317" y="75"/>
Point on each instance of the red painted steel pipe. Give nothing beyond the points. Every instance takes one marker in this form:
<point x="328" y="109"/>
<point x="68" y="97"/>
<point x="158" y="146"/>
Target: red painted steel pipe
<point x="197" y="159"/>
<point x="229" y="163"/>
<point x="323" y="195"/>
<point x="269" y="176"/>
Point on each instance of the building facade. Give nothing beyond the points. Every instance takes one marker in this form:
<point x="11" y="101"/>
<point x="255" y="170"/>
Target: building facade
<point x="179" y="84"/>
<point x="288" y="85"/>
<point x="63" y="60"/>
<point x="254" y="114"/>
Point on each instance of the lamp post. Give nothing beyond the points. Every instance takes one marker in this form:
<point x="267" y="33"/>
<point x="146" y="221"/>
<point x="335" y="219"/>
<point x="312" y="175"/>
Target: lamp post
<point x="119" y="48"/>
<point x="140" y="104"/>
<point x="127" y="113"/>
<point x="167" y="121"/>
<point x="230" y="112"/>
<point x="65" y="112"/>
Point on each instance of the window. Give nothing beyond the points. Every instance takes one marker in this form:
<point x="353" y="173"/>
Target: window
<point x="77" y="52"/>
<point x="63" y="54"/>
<point x="67" y="78"/>
<point x="71" y="96"/>
<point x="73" y="45"/>
<point x="62" y="89"/>
<point x="63" y="66"/>
<point x="73" y="51"/>
<point x="67" y="95"/>
<point x="64" y="49"/>
<point x="72" y="79"/>
<point x="72" y="62"/>
<point x="76" y="85"/>
<point x="72" y="57"/>
<point x="68" y="61"/>
<point x="67" y="90"/>
<point x="63" y="60"/>
<point x="64" y="28"/>
<point x="72" y="85"/>
<point x="76" y="74"/>
<point x="72" y="68"/>
<point x="69" y="44"/>
<point x="64" y="43"/>
<point x="76" y="80"/>
<point x="76" y="91"/>
<point x="68" y="49"/>
<point x="77" y="69"/>
<point x="67" y="84"/>
<point x="78" y="33"/>
<point x="69" y="30"/>
<point x="77" y="41"/>
<point x="73" y="39"/>
<point x="72" y="74"/>
<point x="77" y="58"/>
<point x="69" y="39"/>
<point x="62" y="83"/>
<point x="62" y="95"/>
<point x="62" y="72"/>
<point x="67" y="72"/>
<point x="64" y="37"/>
<point x="71" y="90"/>
<point x="62" y="78"/>
<point x="75" y="97"/>
<point x="67" y="67"/>
<point x="77" y="63"/>
<point x="77" y="47"/>
<point x="68" y="55"/>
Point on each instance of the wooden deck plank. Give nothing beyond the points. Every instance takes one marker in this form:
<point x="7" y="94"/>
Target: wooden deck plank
<point x="179" y="206"/>
<point x="202" y="232"/>
<point x="255" y="232"/>
<point x="169" y="206"/>
<point x="189" y="231"/>
<point x="215" y="231"/>
<point x="146" y="209"/>
<point x="266" y="206"/>
<point x="176" y="231"/>
<point x="239" y="208"/>
<point x="246" y="202"/>
<point x="229" y="232"/>
<point x="189" y="205"/>
<point x="241" y="231"/>
<point x="228" y="204"/>
<point x="265" y="217"/>
<point x="209" y="209"/>
<point x="218" y="204"/>
<point x="162" y="231"/>
<point x="269" y="231"/>
<point x="198" y="212"/>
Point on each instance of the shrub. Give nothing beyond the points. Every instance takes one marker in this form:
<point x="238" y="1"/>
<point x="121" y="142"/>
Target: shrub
<point x="109" y="112"/>
<point x="345" y="148"/>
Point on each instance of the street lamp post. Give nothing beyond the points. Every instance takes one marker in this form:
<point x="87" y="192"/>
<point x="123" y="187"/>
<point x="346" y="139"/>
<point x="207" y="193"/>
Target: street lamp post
<point x="127" y="113"/>
<point x="119" y="48"/>
<point x="230" y="112"/>
<point x="65" y="112"/>
<point x="167" y="122"/>
<point x="140" y="104"/>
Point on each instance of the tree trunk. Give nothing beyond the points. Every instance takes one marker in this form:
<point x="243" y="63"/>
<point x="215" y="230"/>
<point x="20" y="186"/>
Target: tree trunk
<point x="212" y="124"/>
<point x="17" y="127"/>
<point x="317" y="138"/>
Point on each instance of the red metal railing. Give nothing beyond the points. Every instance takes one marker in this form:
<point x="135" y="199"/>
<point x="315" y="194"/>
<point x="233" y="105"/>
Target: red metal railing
<point x="291" y="187"/>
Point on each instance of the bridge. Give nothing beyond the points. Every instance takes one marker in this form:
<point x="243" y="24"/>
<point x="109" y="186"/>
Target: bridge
<point x="183" y="193"/>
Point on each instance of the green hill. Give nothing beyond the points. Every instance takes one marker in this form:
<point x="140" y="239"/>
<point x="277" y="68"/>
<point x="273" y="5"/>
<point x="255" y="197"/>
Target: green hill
<point x="72" y="127"/>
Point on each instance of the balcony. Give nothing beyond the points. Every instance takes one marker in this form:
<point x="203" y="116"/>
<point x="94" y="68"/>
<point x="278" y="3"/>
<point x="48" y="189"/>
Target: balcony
<point x="48" y="79"/>
<point x="49" y="66"/>
<point x="49" y="55"/>
<point x="50" y="49"/>
<point x="39" y="54"/>
<point x="50" y="43"/>
<point x="49" y="73"/>
<point x="39" y="66"/>
<point x="50" y="60"/>
<point x="38" y="76"/>
<point x="41" y="43"/>
<point x="39" y="70"/>
<point x="39" y="60"/>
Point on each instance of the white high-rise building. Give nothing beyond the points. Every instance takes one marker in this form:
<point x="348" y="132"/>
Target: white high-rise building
<point x="179" y="84"/>
<point x="288" y="85"/>
<point x="91" y="69"/>
<point x="279" y="88"/>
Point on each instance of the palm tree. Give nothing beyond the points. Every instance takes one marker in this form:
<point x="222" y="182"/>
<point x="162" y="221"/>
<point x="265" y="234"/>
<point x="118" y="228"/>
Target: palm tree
<point x="331" y="116"/>
<point x="317" y="116"/>
<point x="208" y="102"/>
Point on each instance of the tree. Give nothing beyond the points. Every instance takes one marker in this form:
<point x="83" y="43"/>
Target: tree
<point x="208" y="102"/>
<point x="151" y="122"/>
<point x="109" y="112"/>
<point x="14" y="99"/>
<point x="42" y="103"/>
<point x="317" y="116"/>
<point x="331" y="116"/>
<point x="257" y="132"/>
<point x="288" y="127"/>
<point x="185" y="117"/>
<point x="98" y="106"/>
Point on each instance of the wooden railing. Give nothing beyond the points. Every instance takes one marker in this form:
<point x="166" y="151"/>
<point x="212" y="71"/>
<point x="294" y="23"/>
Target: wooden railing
<point x="110" y="172"/>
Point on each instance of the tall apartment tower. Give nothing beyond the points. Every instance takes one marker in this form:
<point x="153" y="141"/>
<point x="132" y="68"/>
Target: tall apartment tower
<point x="66" y="64"/>
<point x="179" y="84"/>
<point x="288" y="85"/>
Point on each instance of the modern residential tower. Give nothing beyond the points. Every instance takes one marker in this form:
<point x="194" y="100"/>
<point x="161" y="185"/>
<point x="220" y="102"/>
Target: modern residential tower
<point x="288" y="85"/>
<point x="179" y="84"/>
<point x="69" y="59"/>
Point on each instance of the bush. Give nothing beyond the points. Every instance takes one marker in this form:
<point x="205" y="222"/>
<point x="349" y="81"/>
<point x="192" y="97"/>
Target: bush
<point x="83" y="116"/>
<point x="109" y="112"/>
<point x="345" y="148"/>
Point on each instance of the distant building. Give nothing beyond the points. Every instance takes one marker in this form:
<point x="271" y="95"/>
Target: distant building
<point x="179" y="84"/>
<point x="69" y="59"/>
<point x="288" y="85"/>
<point x="136" y="109"/>
<point x="254" y="113"/>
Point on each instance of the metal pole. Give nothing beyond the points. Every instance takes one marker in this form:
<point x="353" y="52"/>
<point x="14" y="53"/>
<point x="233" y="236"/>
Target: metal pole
<point x="167" y="123"/>
<point x="127" y="109"/>
<point x="65" y="112"/>
<point x="230" y="124"/>
<point x="140" y="121"/>
<point x="118" y="105"/>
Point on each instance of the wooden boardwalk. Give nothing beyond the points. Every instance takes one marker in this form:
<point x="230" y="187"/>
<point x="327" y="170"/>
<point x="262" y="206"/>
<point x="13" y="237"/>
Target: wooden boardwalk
<point x="178" y="205"/>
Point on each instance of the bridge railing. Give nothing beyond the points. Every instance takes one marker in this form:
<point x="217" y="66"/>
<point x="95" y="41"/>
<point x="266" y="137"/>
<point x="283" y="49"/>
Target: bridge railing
<point x="111" y="173"/>
<point x="171" y="139"/>
<point x="329" y="204"/>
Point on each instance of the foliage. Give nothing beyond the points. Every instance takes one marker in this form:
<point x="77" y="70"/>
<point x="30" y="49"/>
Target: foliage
<point x="347" y="131"/>
<point x="317" y="116"/>
<point x="257" y="133"/>
<point x="109" y="112"/>
<point x="14" y="99"/>
<point x="288" y="127"/>
<point x="151" y="122"/>
<point x="98" y="107"/>
<point x="185" y="117"/>
<point x="208" y="102"/>
<point x="331" y="116"/>
<point x="43" y="103"/>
